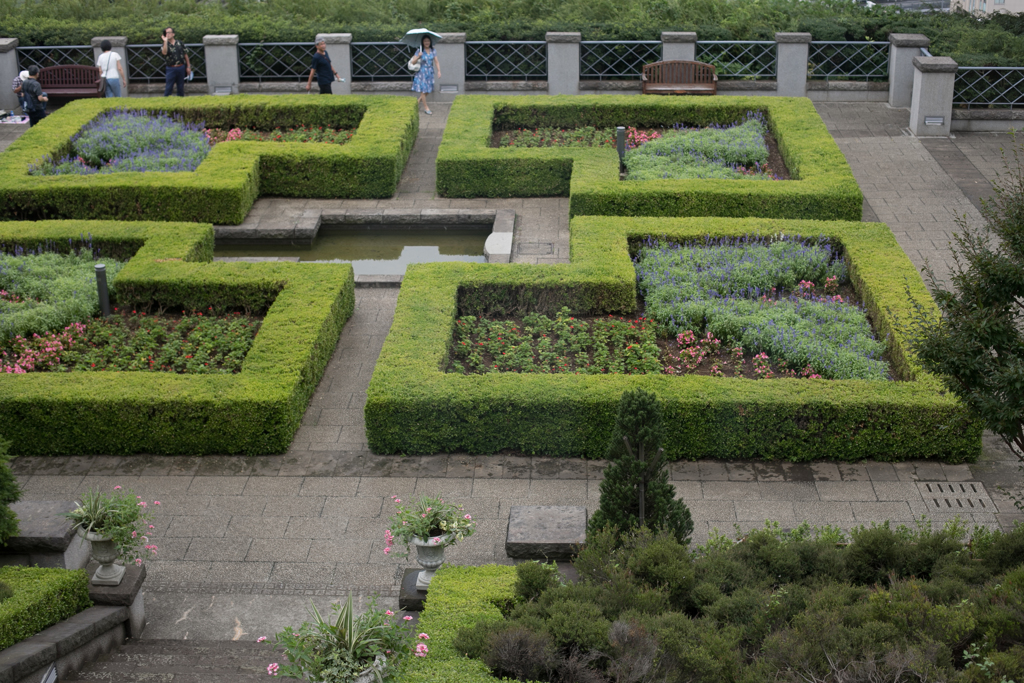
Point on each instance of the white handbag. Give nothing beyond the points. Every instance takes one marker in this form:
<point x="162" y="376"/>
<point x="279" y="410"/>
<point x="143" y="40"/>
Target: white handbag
<point x="414" y="67"/>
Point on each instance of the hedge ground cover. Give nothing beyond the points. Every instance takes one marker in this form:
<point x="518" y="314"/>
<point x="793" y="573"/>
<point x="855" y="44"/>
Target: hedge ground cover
<point x="225" y="185"/>
<point x="256" y="411"/>
<point x="823" y="186"/>
<point x="42" y="597"/>
<point x="414" y="407"/>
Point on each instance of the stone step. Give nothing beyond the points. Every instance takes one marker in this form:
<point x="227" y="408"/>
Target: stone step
<point x="182" y="661"/>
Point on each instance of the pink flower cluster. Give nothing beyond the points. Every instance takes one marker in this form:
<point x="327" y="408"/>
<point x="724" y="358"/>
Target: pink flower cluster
<point x="635" y="138"/>
<point x="39" y="352"/>
<point x="7" y="296"/>
<point x="272" y="669"/>
<point x="693" y="351"/>
<point x="389" y="539"/>
<point x="762" y="366"/>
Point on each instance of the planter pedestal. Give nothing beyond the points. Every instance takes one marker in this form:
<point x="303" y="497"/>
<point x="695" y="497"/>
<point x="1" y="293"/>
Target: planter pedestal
<point x="410" y="598"/>
<point x="104" y="551"/>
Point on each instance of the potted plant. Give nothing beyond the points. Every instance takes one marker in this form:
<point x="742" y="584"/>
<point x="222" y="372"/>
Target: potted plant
<point x="117" y="525"/>
<point x="349" y="649"/>
<point x="429" y="525"/>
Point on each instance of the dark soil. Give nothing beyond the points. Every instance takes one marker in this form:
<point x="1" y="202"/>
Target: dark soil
<point x="776" y="163"/>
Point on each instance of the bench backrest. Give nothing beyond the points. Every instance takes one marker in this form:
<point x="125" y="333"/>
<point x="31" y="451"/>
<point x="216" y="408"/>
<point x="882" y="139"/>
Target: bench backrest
<point x="679" y="72"/>
<point x="68" y="76"/>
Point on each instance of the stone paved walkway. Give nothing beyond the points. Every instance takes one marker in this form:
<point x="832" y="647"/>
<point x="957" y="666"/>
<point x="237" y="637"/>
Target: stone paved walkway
<point x="245" y="542"/>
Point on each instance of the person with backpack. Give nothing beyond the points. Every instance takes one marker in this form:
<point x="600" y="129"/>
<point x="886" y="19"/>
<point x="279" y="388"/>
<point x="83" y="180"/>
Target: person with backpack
<point x="35" y="98"/>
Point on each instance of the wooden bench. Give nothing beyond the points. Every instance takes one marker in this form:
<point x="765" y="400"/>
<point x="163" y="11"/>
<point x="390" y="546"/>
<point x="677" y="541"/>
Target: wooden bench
<point x="679" y="78"/>
<point x="71" y="80"/>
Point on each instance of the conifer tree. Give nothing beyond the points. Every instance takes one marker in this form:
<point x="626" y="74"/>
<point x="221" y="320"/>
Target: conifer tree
<point x="10" y="492"/>
<point x="635" y="491"/>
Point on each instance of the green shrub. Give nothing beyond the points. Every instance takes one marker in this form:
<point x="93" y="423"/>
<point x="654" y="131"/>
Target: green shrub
<point x="638" y="469"/>
<point x="223" y="188"/>
<point x="5" y="591"/>
<point x="822" y="187"/>
<point x="10" y="492"/>
<point x="254" y="411"/>
<point x="42" y="597"/>
<point x="705" y="417"/>
<point x="533" y="578"/>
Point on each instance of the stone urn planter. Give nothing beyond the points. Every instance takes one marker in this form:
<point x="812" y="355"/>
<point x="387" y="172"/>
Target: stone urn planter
<point x="430" y="555"/>
<point x="104" y="551"/>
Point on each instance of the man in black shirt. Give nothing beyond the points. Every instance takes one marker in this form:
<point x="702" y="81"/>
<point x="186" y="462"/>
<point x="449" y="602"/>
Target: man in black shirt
<point x="178" y="65"/>
<point x="35" y="98"/>
<point x="325" y="73"/>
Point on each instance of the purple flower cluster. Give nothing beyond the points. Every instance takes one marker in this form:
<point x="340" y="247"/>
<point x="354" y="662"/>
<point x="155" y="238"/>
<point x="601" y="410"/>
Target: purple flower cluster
<point x="128" y="140"/>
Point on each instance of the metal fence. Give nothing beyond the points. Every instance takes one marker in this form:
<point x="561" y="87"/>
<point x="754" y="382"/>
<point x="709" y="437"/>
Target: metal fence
<point x="520" y="60"/>
<point x="617" y="59"/>
<point x="989" y="87"/>
<point x="739" y="59"/>
<point x="145" y="64"/>
<point x="274" y="61"/>
<point x="381" y="61"/>
<point x="55" y="55"/>
<point x="848" y="60"/>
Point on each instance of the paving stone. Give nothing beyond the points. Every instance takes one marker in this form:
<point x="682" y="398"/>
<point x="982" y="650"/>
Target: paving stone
<point x="731" y="490"/>
<point x="846" y="491"/>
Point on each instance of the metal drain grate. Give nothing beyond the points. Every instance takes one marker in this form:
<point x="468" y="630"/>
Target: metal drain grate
<point x="959" y="496"/>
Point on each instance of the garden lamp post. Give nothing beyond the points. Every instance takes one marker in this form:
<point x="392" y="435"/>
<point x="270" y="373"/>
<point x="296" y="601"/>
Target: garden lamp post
<point x="620" y="143"/>
<point x="101" y="288"/>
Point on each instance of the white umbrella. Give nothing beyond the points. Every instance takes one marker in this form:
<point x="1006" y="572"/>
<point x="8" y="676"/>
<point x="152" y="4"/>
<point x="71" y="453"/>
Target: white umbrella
<point x="414" y="37"/>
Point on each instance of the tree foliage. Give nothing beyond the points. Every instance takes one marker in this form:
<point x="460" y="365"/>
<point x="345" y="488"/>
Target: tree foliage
<point x="976" y="345"/>
<point x="639" y="464"/>
<point x="10" y="493"/>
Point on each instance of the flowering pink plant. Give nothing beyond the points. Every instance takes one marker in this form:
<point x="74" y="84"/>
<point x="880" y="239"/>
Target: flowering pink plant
<point x="428" y="518"/>
<point x="120" y="516"/>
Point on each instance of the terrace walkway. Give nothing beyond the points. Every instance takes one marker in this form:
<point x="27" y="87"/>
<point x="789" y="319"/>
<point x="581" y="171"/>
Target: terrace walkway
<point x="246" y="542"/>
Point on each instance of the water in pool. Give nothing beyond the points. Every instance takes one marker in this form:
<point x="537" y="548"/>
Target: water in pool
<point x="375" y="251"/>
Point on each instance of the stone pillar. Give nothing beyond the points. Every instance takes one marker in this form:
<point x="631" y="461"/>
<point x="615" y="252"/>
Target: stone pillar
<point x="8" y="72"/>
<point x="791" y="63"/>
<point x="339" y="49"/>
<point x="678" y="46"/>
<point x="563" y="63"/>
<point x="221" y="64"/>
<point x="118" y="44"/>
<point x="903" y="47"/>
<point x="931" y="104"/>
<point x="451" y="53"/>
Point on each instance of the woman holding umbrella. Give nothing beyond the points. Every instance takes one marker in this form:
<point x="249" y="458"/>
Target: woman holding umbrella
<point x="429" y="67"/>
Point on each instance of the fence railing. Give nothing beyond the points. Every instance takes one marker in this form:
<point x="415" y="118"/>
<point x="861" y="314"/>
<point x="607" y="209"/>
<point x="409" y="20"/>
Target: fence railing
<point x="739" y="59"/>
<point x="274" y="61"/>
<point x="145" y="64"/>
<point x="848" y="60"/>
<point x="997" y="87"/>
<point x="618" y="59"/>
<point x="521" y="60"/>
<point x="381" y="61"/>
<point x="55" y="55"/>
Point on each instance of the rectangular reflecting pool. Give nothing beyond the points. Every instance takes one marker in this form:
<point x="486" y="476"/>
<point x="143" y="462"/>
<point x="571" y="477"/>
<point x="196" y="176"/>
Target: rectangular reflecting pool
<point x="380" y="250"/>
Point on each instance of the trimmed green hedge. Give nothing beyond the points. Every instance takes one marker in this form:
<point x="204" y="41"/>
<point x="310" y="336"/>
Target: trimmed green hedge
<point x="823" y="187"/>
<point x="414" y="407"/>
<point x="233" y="175"/>
<point x="459" y="597"/>
<point x="256" y="411"/>
<point x="42" y="597"/>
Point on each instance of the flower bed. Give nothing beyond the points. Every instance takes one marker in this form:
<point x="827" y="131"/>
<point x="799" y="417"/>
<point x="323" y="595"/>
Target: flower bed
<point x="42" y="291"/>
<point x="254" y="411"/>
<point x="893" y="604"/>
<point x="334" y="136"/>
<point x="189" y="344"/>
<point x="224" y="186"/>
<point x="759" y="293"/>
<point x="124" y="141"/>
<point x="821" y="184"/>
<point x="567" y="414"/>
